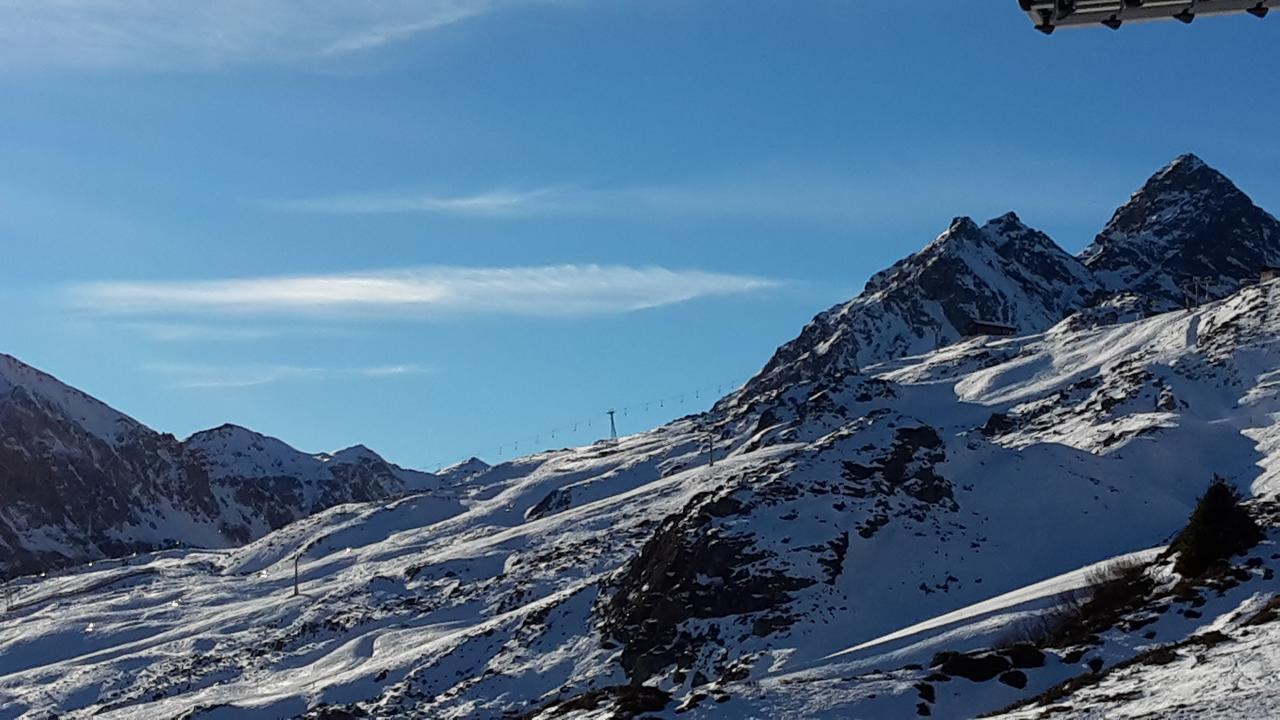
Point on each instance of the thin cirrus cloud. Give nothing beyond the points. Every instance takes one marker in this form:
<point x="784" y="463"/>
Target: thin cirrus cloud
<point x="193" y="332"/>
<point x="975" y="180"/>
<point x="496" y="203"/>
<point x="808" y="200"/>
<point x="209" y="34"/>
<point x="424" y="293"/>
<point x="189" y="376"/>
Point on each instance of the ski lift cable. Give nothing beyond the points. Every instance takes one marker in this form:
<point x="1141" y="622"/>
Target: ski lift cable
<point x="575" y="428"/>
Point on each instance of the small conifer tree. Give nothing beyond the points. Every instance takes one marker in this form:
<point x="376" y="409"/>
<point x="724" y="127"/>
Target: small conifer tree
<point x="1219" y="528"/>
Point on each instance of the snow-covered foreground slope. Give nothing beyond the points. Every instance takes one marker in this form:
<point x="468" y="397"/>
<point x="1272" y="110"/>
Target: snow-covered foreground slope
<point x="1227" y="671"/>
<point x="845" y="527"/>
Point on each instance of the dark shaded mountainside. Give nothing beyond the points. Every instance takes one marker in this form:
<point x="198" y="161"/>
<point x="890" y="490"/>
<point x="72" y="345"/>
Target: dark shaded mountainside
<point x="81" y="481"/>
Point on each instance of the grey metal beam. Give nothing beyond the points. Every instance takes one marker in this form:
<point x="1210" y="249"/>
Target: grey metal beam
<point x="1051" y="14"/>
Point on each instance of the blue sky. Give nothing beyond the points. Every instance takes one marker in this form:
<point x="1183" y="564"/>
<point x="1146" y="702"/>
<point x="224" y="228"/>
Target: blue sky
<point x="441" y="227"/>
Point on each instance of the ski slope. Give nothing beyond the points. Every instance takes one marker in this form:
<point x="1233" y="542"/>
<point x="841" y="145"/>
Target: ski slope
<point x="501" y="594"/>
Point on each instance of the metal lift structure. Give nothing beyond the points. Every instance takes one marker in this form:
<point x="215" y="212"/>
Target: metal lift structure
<point x="1049" y="15"/>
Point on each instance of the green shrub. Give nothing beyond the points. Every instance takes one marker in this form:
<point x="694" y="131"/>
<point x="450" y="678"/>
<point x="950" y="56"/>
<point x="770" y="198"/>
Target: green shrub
<point x="1219" y="528"/>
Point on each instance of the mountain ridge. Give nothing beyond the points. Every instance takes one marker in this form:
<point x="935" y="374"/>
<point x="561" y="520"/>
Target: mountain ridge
<point x="83" y="481"/>
<point x="1007" y="273"/>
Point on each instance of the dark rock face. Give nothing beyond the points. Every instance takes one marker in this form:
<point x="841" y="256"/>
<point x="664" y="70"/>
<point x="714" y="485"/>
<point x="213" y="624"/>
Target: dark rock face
<point x="622" y="702"/>
<point x="1007" y="665"/>
<point x="690" y="570"/>
<point x="725" y="572"/>
<point x="81" y="481"/>
<point x="1187" y="221"/>
<point x="908" y="468"/>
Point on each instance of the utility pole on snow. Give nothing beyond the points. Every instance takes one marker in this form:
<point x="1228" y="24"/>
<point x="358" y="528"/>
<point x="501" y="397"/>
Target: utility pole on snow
<point x="296" y="592"/>
<point x="711" y="449"/>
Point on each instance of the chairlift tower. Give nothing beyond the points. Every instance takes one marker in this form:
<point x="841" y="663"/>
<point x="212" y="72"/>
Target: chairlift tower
<point x="613" y="427"/>
<point x="1197" y="289"/>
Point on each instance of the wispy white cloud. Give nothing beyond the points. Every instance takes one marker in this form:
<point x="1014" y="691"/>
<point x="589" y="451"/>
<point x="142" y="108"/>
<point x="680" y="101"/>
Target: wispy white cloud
<point x="776" y="197"/>
<point x="495" y="203"/>
<point x="964" y="182"/>
<point x="425" y="293"/>
<point x="195" y="376"/>
<point x="178" y="332"/>
<point x="168" y="34"/>
<point x="387" y="371"/>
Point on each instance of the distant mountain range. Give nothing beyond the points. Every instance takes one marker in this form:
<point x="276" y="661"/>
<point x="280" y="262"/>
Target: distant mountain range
<point x="82" y="481"/>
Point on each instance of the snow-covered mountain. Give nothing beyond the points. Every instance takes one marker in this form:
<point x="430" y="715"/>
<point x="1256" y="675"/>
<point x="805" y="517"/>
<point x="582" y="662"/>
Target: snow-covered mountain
<point x="1003" y="272"/>
<point x="1188" y="221"/>
<point x="890" y="504"/>
<point x="82" y="481"/>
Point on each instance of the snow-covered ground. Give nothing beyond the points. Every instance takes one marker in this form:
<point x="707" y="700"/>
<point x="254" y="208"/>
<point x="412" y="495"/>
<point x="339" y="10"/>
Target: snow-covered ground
<point x="848" y="532"/>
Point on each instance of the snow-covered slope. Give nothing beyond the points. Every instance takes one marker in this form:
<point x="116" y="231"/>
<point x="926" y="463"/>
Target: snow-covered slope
<point x="790" y="579"/>
<point x="82" y="482"/>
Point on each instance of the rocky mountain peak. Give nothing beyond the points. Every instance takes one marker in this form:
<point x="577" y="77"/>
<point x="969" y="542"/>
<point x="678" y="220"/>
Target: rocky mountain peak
<point x="463" y="471"/>
<point x="1007" y="223"/>
<point x="1187" y="221"/>
<point x="1003" y="271"/>
<point x="962" y="227"/>
<point x="355" y="454"/>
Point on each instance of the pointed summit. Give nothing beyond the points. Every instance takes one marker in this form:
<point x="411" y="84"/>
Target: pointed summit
<point x="1188" y="162"/>
<point x="353" y="455"/>
<point x="1007" y="221"/>
<point x="1188" y="220"/>
<point x="1002" y="272"/>
<point x="961" y="226"/>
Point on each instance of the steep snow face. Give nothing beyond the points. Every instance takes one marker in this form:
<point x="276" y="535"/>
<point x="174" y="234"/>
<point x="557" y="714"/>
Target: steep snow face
<point x="82" y="481"/>
<point x="1003" y="272"/>
<point x="1188" y="221"/>
<point x="845" y="527"/>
